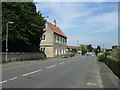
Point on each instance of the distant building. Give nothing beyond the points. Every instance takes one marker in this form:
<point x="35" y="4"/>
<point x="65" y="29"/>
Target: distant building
<point x="118" y="48"/>
<point x="115" y="47"/>
<point x="54" y="41"/>
<point x="74" y="49"/>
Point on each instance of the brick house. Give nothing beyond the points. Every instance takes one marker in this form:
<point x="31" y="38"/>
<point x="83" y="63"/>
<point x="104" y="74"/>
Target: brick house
<point x="54" y="41"/>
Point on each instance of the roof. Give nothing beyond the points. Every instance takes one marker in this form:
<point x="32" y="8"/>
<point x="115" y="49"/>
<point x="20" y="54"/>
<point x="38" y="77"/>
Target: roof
<point x="56" y="30"/>
<point x="73" y="47"/>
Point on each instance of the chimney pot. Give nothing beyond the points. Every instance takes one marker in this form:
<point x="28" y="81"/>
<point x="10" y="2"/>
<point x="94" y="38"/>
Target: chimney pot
<point x="55" y="22"/>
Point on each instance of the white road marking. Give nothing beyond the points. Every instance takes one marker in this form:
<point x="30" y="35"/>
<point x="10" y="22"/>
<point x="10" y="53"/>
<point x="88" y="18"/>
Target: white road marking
<point x="31" y="73"/>
<point x="91" y="84"/>
<point x="3" y="81"/>
<point x="51" y="66"/>
<point x="98" y="77"/>
<point x="62" y="63"/>
<point x="13" y="78"/>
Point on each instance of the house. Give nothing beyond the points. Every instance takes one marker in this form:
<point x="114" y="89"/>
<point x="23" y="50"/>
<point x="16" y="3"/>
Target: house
<point x="54" y="41"/>
<point x="74" y="49"/>
<point x="115" y="47"/>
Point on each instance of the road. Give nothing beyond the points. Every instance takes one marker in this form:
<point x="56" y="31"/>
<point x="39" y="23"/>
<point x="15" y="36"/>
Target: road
<point x="75" y="72"/>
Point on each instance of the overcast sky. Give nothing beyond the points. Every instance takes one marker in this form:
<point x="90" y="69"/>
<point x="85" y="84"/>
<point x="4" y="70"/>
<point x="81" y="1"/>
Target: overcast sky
<point x="87" y="22"/>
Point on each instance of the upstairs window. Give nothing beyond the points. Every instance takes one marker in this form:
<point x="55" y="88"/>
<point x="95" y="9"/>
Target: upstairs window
<point x="65" y="41"/>
<point x="57" y="38"/>
<point x="43" y="37"/>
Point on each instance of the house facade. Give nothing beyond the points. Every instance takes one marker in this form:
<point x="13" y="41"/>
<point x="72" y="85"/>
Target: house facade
<point x="54" y="41"/>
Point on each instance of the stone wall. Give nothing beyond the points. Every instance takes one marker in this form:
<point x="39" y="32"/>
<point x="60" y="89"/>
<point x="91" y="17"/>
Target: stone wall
<point x="114" y="65"/>
<point x="17" y="56"/>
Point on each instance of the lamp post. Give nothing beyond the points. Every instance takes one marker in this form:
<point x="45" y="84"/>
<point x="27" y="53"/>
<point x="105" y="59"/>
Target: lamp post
<point x="7" y="39"/>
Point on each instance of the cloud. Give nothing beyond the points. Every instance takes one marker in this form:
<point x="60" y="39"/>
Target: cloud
<point x="83" y="21"/>
<point x="69" y="16"/>
<point x="106" y="22"/>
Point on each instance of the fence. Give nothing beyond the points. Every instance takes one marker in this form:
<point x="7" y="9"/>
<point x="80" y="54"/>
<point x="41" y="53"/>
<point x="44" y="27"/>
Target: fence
<point x="17" y="56"/>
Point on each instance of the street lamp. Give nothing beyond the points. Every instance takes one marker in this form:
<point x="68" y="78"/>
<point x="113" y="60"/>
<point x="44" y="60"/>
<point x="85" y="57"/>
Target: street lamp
<point x="7" y="38"/>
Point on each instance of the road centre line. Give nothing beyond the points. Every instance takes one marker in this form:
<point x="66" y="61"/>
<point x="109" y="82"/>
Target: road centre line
<point x="31" y="73"/>
<point x="51" y="66"/>
<point x="13" y="78"/>
<point x="3" y="81"/>
<point x="62" y="63"/>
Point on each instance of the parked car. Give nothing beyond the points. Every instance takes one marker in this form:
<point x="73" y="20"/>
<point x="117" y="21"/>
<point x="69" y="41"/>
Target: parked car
<point x="90" y="54"/>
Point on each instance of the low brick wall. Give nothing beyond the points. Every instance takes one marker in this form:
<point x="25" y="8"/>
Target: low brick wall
<point x="17" y="56"/>
<point x="114" y="65"/>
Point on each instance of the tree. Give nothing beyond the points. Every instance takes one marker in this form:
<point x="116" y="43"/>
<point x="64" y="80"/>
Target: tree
<point x="74" y="51"/>
<point x="98" y="49"/>
<point x="25" y="33"/>
<point x="88" y="48"/>
<point x="83" y="49"/>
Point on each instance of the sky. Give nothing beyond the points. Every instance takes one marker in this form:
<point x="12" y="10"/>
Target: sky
<point x="86" y="23"/>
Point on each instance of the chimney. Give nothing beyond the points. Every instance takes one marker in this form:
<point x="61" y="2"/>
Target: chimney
<point x="55" y="22"/>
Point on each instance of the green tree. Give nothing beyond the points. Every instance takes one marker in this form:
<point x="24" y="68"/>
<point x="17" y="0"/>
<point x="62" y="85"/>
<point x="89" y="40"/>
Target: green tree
<point x="25" y="32"/>
<point x="74" y="51"/>
<point x="83" y="49"/>
<point x="88" y="48"/>
<point x="98" y="49"/>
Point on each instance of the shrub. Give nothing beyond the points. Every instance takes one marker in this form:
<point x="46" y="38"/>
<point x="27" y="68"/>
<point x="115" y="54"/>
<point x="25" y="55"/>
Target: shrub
<point x="72" y="55"/>
<point x="101" y="56"/>
<point x="116" y="54"/>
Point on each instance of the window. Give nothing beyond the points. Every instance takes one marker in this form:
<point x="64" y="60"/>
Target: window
<point x="43" y="37"/>
<point x="42" y="49"/>
<point x="65" y="41"/>
<point x="61" y="39"/>
<point x="64" y="51"/>
<point x="56" y="52"/>
<point x="57" y="38"/>
<point x="59" y="52"/>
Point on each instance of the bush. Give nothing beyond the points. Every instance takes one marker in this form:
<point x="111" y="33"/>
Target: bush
<point x="72" y="55"/>
<point x="101" y="56"/>
<point x="116" y="54"/>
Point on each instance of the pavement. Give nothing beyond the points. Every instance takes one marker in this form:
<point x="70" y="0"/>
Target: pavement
<point x="75" y="72"/>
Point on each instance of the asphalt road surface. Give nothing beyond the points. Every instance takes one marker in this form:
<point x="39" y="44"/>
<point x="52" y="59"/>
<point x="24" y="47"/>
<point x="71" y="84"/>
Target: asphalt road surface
<point x="75" y="72"/>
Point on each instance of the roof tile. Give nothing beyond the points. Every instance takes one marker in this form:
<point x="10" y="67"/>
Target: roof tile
<point x="56" y="29"/>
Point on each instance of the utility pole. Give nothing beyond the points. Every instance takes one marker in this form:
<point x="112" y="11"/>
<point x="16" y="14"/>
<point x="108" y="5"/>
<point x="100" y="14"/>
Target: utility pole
<point x="7" y="40"/>
<point x="77" y="43"/>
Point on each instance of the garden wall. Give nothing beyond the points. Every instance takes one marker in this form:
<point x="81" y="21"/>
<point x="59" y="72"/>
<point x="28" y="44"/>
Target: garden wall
<point x="17" y="56"/>
<point x="114" y="65"/>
